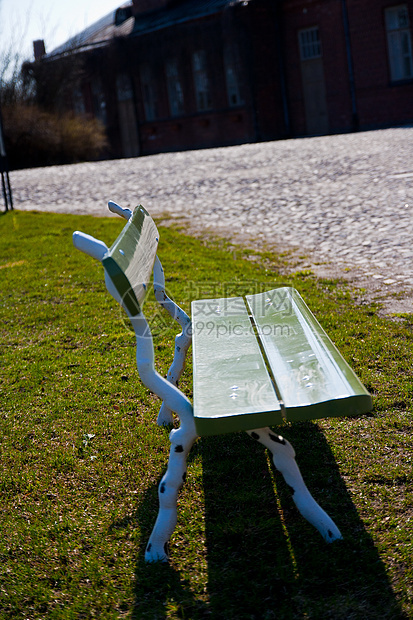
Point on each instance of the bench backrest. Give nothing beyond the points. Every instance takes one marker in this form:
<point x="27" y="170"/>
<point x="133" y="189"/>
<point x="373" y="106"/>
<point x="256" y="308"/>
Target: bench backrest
<point x="312" y="377"/>
<point x="128" y="265"/>
<point x="268" y="359"/>
<point x="129" y="261"/>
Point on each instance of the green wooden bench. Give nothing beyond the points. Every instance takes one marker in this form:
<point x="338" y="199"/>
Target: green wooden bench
<point x="258" y="361"/>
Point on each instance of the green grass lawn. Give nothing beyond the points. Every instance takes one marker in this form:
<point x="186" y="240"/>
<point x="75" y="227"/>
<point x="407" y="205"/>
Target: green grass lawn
<point x="81" y="455"/>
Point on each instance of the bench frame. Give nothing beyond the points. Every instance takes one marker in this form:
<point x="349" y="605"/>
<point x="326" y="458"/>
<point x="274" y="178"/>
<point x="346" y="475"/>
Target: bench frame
<point x="173" y="400"/>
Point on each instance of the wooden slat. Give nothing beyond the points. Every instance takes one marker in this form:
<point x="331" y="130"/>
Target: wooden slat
<point x="129" y="262"/>
<point x="232" y="388"/>
<point x="312" y="377"/>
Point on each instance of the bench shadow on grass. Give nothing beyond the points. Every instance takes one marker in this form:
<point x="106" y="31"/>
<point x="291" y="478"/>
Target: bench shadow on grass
<point x="264" y="560"/>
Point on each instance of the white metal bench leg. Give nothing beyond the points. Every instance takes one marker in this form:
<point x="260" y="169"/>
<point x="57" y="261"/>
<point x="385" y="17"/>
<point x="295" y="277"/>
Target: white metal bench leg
<point x="182" y="440"/>
<point x="284" y="460"/>
<point x="182" y="343"/>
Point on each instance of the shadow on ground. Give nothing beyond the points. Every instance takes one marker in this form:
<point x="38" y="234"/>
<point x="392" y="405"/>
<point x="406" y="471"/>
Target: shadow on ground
<point x="264" y="560"/>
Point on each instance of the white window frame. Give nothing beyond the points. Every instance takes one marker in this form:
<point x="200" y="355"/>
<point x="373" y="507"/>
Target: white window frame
<point x="310" y="43"/>
<point x="399" y="43"/>
<point x="201" y="81"/>
<point x="175" y="91"/>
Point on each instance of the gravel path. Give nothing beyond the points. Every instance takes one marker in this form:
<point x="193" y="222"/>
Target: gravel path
<point x="344" y="204"/>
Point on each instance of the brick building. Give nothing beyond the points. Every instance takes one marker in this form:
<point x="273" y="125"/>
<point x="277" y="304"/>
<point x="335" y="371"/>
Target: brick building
<point x="166" y="75"/>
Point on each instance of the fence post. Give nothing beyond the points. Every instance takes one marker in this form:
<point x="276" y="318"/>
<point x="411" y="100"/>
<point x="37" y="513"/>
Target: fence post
<point x="4" y="169"/>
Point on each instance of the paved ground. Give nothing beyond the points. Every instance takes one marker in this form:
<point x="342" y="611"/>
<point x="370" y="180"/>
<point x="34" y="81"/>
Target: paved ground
<point x="344" y="203"/>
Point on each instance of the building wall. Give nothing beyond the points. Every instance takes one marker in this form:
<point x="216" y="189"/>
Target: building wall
<point x="280" y="93"/>
<point x="327" y="16"/>
<point x="379" y="100"/>
<point x="375" y="99"/>
<point x="220" y="124"/>
<point x="259" y="27"/>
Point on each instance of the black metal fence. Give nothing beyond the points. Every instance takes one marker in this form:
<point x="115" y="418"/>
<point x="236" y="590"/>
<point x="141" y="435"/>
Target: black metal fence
<point x="4" y="170"/>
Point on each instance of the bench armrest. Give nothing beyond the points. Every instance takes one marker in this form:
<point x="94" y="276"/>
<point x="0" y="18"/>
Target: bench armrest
<point x="89" y="245"/>
<point x="115" y="208"/>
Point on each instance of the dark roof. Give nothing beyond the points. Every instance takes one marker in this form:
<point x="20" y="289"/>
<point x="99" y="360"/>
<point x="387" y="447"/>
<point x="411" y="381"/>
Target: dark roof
<point x="105" y="29"/>
<point x="97" y="34"/>
<point x="180" y="13"/>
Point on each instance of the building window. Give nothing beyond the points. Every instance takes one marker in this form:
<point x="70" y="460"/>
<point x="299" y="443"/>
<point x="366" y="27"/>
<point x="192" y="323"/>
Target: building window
<point x="201" y="81"/>
<point x="175" y="92"/>
<point x="150" y="100"/>
<point x="232" y="76"/>
<point x="124" y="90"/>
<point x="310" y="44"/>
<point x="78" y="102"/>
<point x="98" y="101"/>
<point x="399" y="43"/>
